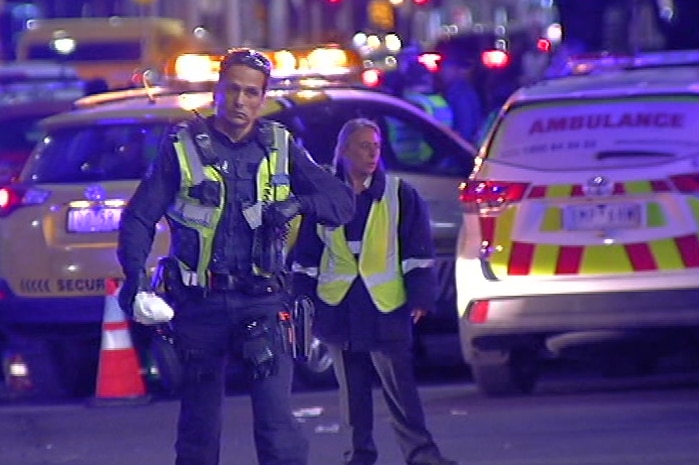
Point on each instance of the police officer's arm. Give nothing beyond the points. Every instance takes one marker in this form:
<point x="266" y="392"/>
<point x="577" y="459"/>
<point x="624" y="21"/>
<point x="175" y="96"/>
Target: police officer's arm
<point x="416" y="250"/>
<point x="321" y="194"/>
<point x="146" y="207"/>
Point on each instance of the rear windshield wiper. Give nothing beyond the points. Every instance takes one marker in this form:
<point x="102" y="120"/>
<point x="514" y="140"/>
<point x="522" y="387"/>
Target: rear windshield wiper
<point x="632" y="154"/>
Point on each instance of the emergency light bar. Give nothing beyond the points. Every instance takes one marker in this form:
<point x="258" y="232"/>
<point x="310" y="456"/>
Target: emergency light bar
<point x="316" y="65"/>
<point x="605" y="62"/>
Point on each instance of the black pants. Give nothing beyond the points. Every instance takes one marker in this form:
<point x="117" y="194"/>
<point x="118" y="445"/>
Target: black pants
<point x="208" y="330"/>
<point x="355" y="375"/>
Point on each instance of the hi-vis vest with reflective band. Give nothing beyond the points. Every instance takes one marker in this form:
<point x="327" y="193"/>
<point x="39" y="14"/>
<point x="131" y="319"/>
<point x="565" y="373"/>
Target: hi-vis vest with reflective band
<point x="434" y="105"/>
<point x="379" y="261"/>
<point x="190" y="213"/>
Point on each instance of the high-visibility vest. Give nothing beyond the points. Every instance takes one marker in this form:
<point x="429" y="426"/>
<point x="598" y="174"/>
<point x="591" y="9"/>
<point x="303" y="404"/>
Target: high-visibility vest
<point x="379" y="263"/>
<point x="188" y="212"/>
<point x="434" y="105"/>
<point x="407" y="140"/>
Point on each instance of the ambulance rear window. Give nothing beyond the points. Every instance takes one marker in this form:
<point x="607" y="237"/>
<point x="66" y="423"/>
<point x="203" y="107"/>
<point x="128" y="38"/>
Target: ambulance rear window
<point x="592" y="133"/>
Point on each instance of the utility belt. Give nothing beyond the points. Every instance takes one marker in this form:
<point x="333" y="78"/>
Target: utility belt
<point x="250" y="285"/>
<point x="177" y="283"/>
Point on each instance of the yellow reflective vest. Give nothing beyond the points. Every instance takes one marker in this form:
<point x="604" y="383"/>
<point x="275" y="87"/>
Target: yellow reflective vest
<point x="378" y="263"/>
<point x="188" y="212"/>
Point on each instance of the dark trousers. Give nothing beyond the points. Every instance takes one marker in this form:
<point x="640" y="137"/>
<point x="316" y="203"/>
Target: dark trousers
<point x="355" y="375"/>
<point x="207" y="330"/>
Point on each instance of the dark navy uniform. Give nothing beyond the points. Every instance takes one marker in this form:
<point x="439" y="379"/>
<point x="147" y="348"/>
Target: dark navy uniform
<point x="209" y="321"/>
<point x="362" y="339"/>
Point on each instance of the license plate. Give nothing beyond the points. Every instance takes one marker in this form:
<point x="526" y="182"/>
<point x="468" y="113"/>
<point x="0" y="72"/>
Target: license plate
<point x="603" y="216"/>
<point x="88" y="220"/>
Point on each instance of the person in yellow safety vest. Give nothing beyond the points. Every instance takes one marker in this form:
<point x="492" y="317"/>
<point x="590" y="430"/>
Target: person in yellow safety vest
<point x="418" y="89"/>
<point x="229" y="185"/>
<point x="371" y="280"/>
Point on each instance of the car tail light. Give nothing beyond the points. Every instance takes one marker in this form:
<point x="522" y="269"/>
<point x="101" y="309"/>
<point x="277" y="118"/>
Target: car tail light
<point x="686" y="183"/>
<point x="543" y="45"/>
<point x="478" y="312"/>
<point x="488" y="197"/>
<point x="371" y="77"/>
<point x="495" y="58"/>
<point x="13" y="197"/>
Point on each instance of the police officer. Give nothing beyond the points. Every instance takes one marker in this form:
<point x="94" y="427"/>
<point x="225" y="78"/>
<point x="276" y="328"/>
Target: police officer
<point x="229" y="186"/>
<point x="372" y="280"/>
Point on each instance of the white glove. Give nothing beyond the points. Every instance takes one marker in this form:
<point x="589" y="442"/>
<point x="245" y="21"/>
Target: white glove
<point x="150" y="309"/>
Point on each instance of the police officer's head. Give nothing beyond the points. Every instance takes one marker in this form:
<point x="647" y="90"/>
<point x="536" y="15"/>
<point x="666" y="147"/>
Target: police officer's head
<point x="240" y="91"/>
<point x="358" y="148"/>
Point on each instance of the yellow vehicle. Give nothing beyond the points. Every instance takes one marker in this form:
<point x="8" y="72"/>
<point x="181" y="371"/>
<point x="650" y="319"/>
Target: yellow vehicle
<point x="112" y="49"/>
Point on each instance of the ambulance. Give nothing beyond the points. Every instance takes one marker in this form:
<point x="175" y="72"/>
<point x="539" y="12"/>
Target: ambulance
<point x="580" y="233"/>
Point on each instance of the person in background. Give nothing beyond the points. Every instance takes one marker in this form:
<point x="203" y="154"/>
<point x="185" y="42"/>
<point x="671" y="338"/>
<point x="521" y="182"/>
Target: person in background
<point x="229" y="186"/>
<point x="371" y="281"/>
<point x="455" y="81"/>
<point x="419" y="89"/>
<point x="407" y="141"/>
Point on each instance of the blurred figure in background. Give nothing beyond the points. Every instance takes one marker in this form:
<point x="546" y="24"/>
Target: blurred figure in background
<point x="417" y="87"/>
<point x="455" y="81"/>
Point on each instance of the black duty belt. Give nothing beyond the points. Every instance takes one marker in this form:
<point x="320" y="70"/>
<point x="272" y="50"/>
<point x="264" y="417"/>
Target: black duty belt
<point x="250" y="285"/>
<point x="225" y="282"/>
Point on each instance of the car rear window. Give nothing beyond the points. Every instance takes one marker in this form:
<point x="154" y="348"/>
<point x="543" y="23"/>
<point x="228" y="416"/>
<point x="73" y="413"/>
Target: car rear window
<point x="590" y="133"/>
<point x="94" y="153"/>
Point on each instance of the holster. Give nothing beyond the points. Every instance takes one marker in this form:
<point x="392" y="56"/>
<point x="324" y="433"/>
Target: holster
<point x="258" y="348"/>
<point x="167" y="280"/>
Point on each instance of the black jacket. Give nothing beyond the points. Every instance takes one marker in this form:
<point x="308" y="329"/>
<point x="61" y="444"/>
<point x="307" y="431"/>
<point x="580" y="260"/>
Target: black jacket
<point x="356" y="322"/>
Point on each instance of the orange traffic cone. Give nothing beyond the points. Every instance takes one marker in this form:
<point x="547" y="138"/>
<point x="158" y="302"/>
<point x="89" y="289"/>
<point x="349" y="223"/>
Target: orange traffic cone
<point x="119" y="378"/>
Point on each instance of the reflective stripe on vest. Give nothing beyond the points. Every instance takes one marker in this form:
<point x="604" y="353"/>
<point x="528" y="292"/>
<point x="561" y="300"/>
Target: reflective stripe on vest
<point x="272" y="184"/>
<point x="379" y="261"/>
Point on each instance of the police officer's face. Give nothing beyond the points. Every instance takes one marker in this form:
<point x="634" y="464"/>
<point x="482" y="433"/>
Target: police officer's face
<point x="239" y="96"/>
<point x="362" y="152"/>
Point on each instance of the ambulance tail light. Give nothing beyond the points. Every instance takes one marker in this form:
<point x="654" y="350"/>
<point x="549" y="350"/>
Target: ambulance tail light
<point x="490" y="197"/>
<point x="478" y="311"/>
<point x="12" y="198"/>
<point x="686" y="183"/>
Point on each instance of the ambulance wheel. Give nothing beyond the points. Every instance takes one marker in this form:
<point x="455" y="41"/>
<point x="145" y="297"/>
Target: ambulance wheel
<point x="510" y="372"/>
<point x="317" y="370"/>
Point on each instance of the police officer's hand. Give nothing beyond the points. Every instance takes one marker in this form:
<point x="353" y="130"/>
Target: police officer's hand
<point x="132" y="284"/>
<point x="280" y="212"/>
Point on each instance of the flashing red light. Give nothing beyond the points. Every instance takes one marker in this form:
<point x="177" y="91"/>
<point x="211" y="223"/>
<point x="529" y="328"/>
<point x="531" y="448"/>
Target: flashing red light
<point x="371" y="77"/>
<point x="495" y="58"/>
<point x="430" y="60"/>
<point x="9" y="200"/>
<point x="421" y="2"/>
<point x="543" y="45"/>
